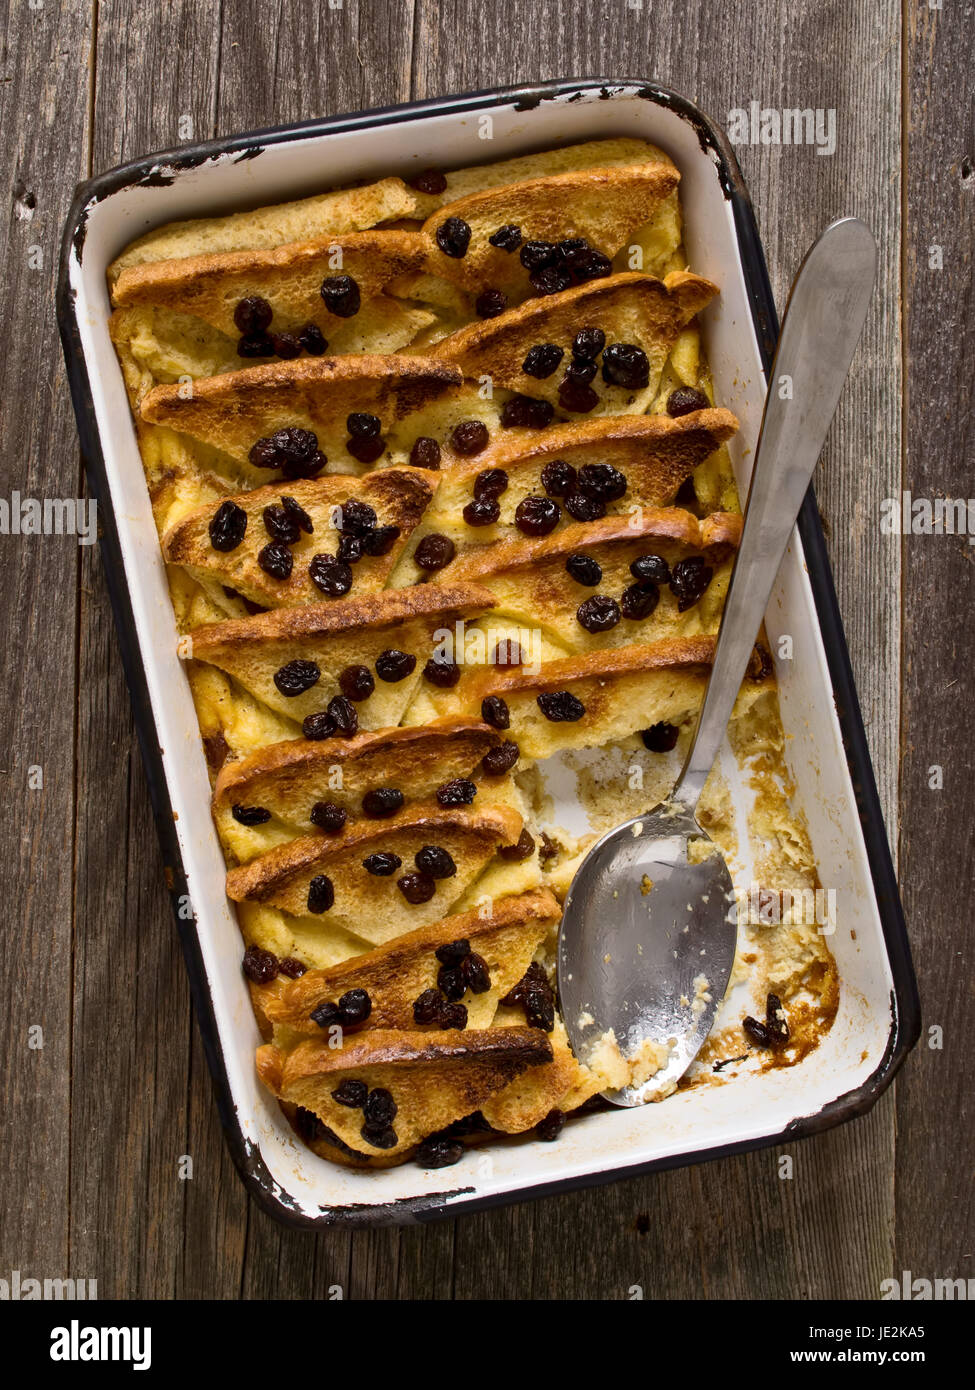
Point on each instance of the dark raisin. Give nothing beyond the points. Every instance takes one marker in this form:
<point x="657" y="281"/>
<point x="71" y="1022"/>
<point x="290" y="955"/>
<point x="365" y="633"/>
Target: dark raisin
<point x="355" y="1006"/>
<point x="366" y="450"/>
<point x="260" y="966"/>
<point x="251" y="815"/>
<point x="437" y="1152"/>
<point x="534" y="255"/>
<point x="295" y="677"/>
<point x="451" y="983"/>
<point x="475" y="973"/>
<point x="313" y="340"/>
<point x="542" y="360"/>
<point x="276" y="560"/>
<point x="626" y="365"/>
<point x="588" y="343"/>
<point x="382" y="865"/>
<point x="550" y="1128"/>
<point x="393" y="665"/>
<point x="494" y="711"/>
<point x="581" y="372"/>
<point x="255" y="345"/>
<point x="497" y="761"/>
<point x="341" y="296"/>
<point x="526" y="413"/>
<point x="253" y="314"/>
<point x="537" y="516"/>
<point x="356" y="682"/>
<point x="469" y="437"/>
<point x="689" y="580"/>
<point x="566" y="250"/>
<point x="381" y="540"/>
<point x="382" y="802"/>
<point x="640" y="600"/>
<point x="598" y="614"/>
<point x="330" y="574"/>
<point x="483" y="511"/>
<point x="460" y="792"/>
<point x="379" y="1138"/>
<point x="588" y="264"/>
<point x="576" y="397"/>
<point x="294" y="451"/>
<point x="416" y="888"/>
<point x="454" y="237"/>
<point x="522" y="849"/>
<point x="355" y="518"/>
<point x="660" y="738"/>
<point x="508" y="653"/>
<point x="298" y="515"/>
<point x="326" y="1015"/>
<point x="550" y="280"/>
<point x="756" y="1032"/>
<point x="776" y="1027"/>
<point x="453" y="1016"/>
<point x="582" y="507"/>
<point x="533" y="978"/>
<point x="603" y="481"/>
<point x="321" y="894"/>
<point x="490" y="304"/>
<point x="318" y="726"/>
<point x="429" y="181"/>
<point x="342" y="711"/>
<point x="584" y="570"/>
<point x="651" y="567"/>
<point x="434" y="552"/>
<point x="351" y="1093"/>
<point x="759" y="664"/>
<point x="685" y="400"/>
<point x="328" y="816"/>
<point x="453" y="952"/>
<point x="506" y="238"/>
<point x="350" y="549"/>
<point x="558" y="478"/>
<point x="380" y="1108"/>
<point x="441" y="673"/>
<point x="228" y="526"/>
<point x="425" y="452"/>
<point x="540" y="1008"/>
<point x="286" y="346"/>
<point x="560" y="706"/>
<point x="281" y="525"/>
<point x="427" y="1006"/>
<point x="363" y="426"/>
<point x="435" y="861"/>
<point x="292" y="968"/>
<point x="490" y="482"/>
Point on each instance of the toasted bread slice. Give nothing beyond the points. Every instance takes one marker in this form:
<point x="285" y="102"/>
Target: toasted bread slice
<point x="630" y="308"/>
<point x="232" y="411"/>
<point x="395" y="975"/>
<point x="524" y="1102"/>
<point x="371" y="905"/>
<point x="325" y="214"/>
<point x="289" y="278"/>
<point x="434" y="1078"/>
<point x="604" y="206"/>
<point x="352" y="631"/>
<point x="398" y="496"/>
<point x="288" y="779"/>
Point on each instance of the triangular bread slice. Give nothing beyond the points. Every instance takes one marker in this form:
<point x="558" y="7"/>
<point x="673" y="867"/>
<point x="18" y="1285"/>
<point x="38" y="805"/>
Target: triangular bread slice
<point x="629" y="308"/>
<point x="605" y="206"/>
<point x="370" y="905"/>
<point x="395" y="975"/>
<point x="398" y="496"/>
<point x="288" y="779"/>
<point x="526" y="1101"/>
<point x="434" y="1078"/>
<point x="353" y="631"/>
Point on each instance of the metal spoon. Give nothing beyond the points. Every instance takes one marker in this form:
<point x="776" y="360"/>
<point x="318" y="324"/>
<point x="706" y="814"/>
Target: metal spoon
<point x="649" y="933"/>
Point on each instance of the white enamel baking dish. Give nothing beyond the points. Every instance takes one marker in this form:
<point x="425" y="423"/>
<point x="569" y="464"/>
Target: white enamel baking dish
<point x="878" y="1019"/>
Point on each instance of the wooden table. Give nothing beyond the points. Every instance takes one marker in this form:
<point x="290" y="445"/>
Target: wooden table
<point x="95" y="1121"/>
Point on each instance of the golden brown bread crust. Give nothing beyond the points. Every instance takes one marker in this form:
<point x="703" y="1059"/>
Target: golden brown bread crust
<point x="620" y="661"/>
<point x="505" y="1048"/>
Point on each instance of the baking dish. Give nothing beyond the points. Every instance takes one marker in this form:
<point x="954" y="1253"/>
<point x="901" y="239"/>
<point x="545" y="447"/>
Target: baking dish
<point x="878" y="1016"/>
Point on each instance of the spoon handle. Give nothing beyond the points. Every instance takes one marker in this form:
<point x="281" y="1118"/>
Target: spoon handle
<point x="824" y="318"/>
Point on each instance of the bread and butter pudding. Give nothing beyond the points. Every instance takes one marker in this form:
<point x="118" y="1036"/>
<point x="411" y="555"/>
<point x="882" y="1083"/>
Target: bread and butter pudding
<point x="448" y="517"/>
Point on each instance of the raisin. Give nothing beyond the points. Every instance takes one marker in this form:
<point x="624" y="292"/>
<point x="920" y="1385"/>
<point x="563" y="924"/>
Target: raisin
<point x="362" y="425"/>
<point x="475" y="973"/>
<point x="550" y="280"/>
<point x="639" y="600"/>
<point x="330" y="574"/>
<point x="454" y="237"/>
<point x="537" y="516"/>
<point x="652" y="568"/>
<point x="776" y="1027"/>
<point x="540" y="1008"/>
<point x="355" y="1006"/>
<point x="508" y="653"/>
<point x="759" y="664"/>
<point x="453" y="1016"/>
<point x="416" y="888"/>
<point x="533" y="978"/>
<point x="294" y="451"/>
<point x="429" y="181"/>
<point x="434" y="552"/>
<point x="326" y="1015"/>
<point x="490" y="304"/>
<point x="438" y="1152"/>
<point x="497" y="761"/>
<point x="582" y="507"/>
<point x="393" y="665"/>
<point x="660" y="738"/>
<point x="260" y="966"/>
<point x="535" y="255"/>
<point x="425" y="453"/>
<point x="494" y="711"/>
<point x="602" y="481"/>
<point x="295" y="677"/>
<point x="351" y="1093"/>
<point x="381" y="540"/>
<point x="379" y="1138"/>
<point x="460" y="792"/>
<point x="381" y="865"/>
<point x="560" y="706"/>
<point x="756" y="1032"/>
<point x="527" y="413"/>
<point x="598" y="614"/>
<point x="626" y="365"/>
<point x="522" y="849"/>
<point x="250" y="815"/>
<point x="318" y="726"/>
<point x="506" y="238"/>
<point x="685" y="400"/>
<point x="580" y="371"/>
<point x="276" y="560"/>
<point x="550" y="1128"/>
<point x="281" y="525"/>
<point x="356" y="682"/>
<point x="313" y="340"/>
<point x="453" y="952"/>
<point x="558" y="478"/>
<point x="689" y="580"/>
<point x="366" y="450"/>
<point x="483" y="511"/>
<point x="441" y="673"/>
<point x="588" y="264"/>
<point x="253" y="314"/>
<point x="576" y="397"/>
<point x="255" y="345"/>
<point x="566" y="250"/>
<point x="382" y="802"/>
<point x="469" y="437"/>
<point x="355" y="518"/>
<point x="584" y="570"/>
<point x="450" y="982"/>
<point x="343" y="713"/>
<point x="321" y="894"/>
<point x="328" y="816"/>
<point x="490" y="482"/>
<point x="228" y="526"/>
<point x="588" y="344"/>
<point x="435" y="861"/>
<point x="427" y="1006"/>
<point x="298" y="515"/>
<point x="292" y="968"/>
<point x="341" y="296"/>
<point x="350" y="549"/>
<point x="286" y="346"/>
<point x="542" y="360"/>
